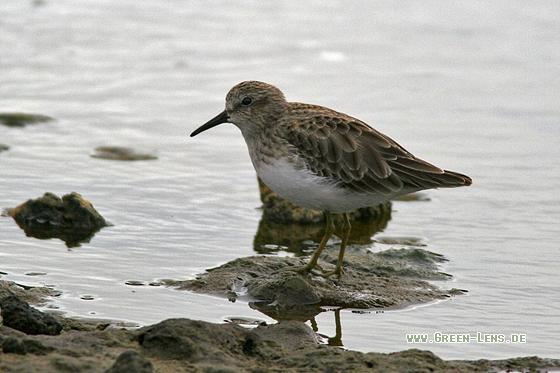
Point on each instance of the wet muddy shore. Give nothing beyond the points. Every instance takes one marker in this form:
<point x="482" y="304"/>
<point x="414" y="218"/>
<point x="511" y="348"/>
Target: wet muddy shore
<point x="184" y="345"/>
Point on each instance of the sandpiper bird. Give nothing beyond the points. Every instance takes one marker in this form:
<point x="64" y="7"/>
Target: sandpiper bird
<point x="324" y="160"/>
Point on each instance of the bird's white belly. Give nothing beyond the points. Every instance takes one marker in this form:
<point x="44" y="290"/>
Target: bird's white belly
<point x="305" y="189"/>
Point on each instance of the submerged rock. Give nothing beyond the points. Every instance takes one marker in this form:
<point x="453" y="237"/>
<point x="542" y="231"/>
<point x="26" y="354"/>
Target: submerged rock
<point x="392" y="278"/>
<point x="22" y="119"/>
<point x="70" y="218"/>
<point x="119" y="153"/>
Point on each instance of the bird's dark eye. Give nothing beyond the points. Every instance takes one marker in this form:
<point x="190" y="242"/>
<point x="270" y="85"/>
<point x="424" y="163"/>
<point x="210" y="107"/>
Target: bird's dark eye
<point x="247" y="101"/>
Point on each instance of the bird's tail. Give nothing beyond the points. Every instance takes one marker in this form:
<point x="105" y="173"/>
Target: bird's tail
<point x="452" y="179"/>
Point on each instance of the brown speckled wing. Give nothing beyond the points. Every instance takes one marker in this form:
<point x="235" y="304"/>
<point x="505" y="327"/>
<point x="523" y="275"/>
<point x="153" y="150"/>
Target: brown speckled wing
<point x="358" y="157"/>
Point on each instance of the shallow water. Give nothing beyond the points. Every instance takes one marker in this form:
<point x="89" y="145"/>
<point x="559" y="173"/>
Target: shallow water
<point x="470" y="86"/>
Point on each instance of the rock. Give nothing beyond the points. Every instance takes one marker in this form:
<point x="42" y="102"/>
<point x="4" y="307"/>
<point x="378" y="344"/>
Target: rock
<point x="225" y="345"/>
<point x="288" y="291"/>
<point x="22" y="119"/>
<point x="194" y="341"/>
<point x="131" y="362"/>
<point x="13" y="345"/>
<point x="29" y="294"/>
<point x="289" y="335"/>
<point x="20" y="316"/>
<point x="70" y="218"/>
<point x="36" y="347"/>
<point x="392" y="278"/>
<point x="21" y="346"/>
<point x="71" y="211"/>
<point x="404" y="263"/>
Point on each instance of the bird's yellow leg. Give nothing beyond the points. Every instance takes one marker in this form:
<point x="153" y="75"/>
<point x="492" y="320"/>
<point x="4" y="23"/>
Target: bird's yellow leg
<point x="346" y="228"/>
<point x="329" y="230"/>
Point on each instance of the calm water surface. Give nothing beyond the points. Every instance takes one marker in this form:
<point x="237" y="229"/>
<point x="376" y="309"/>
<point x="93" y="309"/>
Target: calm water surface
<point x="471" y="86"/>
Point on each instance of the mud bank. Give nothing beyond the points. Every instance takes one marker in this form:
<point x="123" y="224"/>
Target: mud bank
<point x="183" y="345"/>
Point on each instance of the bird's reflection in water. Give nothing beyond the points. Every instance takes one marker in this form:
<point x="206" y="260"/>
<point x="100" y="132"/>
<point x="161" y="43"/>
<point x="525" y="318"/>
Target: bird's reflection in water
<point x="286" y="227"/>
<point x="337" y="339"/>
<point x="303" y="314"/>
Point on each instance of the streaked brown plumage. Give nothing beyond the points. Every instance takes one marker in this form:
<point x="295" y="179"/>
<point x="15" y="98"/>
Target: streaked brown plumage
<point x="321" y="159"/>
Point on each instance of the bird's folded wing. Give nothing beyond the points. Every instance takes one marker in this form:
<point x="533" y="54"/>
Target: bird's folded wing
<point x="358" y="157"/>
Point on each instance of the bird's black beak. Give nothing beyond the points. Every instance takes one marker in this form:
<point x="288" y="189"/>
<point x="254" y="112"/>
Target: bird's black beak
<point x="218" y="119"/>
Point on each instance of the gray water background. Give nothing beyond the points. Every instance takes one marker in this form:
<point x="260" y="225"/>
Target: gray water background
<point x="472" y="86"/>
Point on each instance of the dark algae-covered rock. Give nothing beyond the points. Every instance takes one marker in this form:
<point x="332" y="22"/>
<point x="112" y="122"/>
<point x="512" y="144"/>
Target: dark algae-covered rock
<point x="70" y="218"/>
<point x="19" y="315"/>
<point x="69" y="212"/>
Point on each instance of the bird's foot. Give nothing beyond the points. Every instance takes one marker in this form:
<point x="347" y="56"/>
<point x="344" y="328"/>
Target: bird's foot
<point x="309" y="267"/>
<point x="338" y="271"/>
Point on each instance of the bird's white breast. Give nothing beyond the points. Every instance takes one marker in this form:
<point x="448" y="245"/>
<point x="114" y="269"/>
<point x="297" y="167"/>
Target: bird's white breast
<point x="305" y="189"/>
